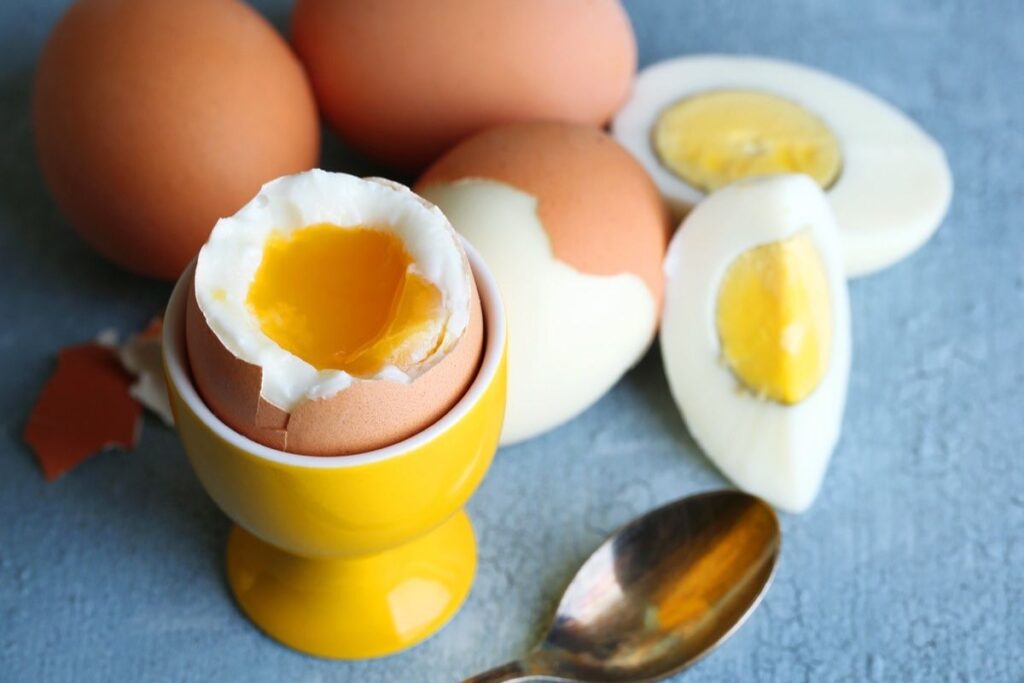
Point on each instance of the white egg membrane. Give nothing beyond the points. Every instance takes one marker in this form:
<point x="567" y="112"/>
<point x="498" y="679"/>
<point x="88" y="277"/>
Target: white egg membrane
<point x="776" y="451"/>
<point x="229" y="260"/>
<point x="895" y="185"/>
<point x="572" y="335"/>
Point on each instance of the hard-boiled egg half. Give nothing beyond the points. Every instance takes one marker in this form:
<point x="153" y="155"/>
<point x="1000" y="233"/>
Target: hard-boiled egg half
<point x="755" y="335"/>
<point x="333" y="315"/>
<point x="699" y="123"/>
<point x="574" y="231"/>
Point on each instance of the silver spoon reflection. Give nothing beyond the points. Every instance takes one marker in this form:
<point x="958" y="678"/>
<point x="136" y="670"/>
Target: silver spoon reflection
<point x="658" y="594"/>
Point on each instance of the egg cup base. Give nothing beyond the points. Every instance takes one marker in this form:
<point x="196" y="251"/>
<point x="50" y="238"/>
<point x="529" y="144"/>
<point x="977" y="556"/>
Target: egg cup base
<point x="356" y="607"/>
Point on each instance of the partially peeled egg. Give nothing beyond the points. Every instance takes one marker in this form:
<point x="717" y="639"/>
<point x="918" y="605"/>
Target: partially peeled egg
<point x="755" y="335"/>
<point x="574" y="232"/>
<point x="333" y="315"/>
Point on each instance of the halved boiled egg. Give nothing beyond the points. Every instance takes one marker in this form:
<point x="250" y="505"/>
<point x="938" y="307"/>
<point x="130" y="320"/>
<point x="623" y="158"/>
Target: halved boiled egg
<point x="698" y="123"/>
<point x="333" y="314"/>
<point x="755" y="334"/>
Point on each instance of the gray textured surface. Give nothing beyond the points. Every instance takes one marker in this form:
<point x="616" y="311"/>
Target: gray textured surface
<point x="909" y="568"/>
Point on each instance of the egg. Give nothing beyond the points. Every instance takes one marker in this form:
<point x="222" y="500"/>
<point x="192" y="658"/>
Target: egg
<point x="403" y="81"/>
<point x="154" y="119"/>
<point x="574" y="231"/>
<point x="698" y="123"/>
<point x="755" y="335"/>
<point x="333" y="315"/>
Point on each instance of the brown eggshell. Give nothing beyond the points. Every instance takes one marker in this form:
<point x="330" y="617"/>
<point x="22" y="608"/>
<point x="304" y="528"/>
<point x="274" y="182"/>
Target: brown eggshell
<point x="599" y="206"/>
<point x="403" y="81"/>
<point x="86" y="406"/>
<point x="154" y="119"/>
<point x="366" y="416"/>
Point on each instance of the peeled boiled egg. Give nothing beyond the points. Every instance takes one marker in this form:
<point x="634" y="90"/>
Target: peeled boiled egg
<point x="699" y="123"/>
<point x="404" y="81"/>
<point x="755" y="335"/>
<point x="333" y="315"/>
<point x="574" y="231"/>
<point x="154" y="119"/>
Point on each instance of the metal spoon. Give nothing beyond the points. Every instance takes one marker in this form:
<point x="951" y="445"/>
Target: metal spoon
<point x="658" y="594"/>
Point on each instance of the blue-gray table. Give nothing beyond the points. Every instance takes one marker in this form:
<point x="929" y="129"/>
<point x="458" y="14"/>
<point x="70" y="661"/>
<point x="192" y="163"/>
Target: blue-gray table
<point x="910" y="567"/>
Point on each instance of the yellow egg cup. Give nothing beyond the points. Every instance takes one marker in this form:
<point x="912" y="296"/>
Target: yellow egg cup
<point x="353" y="556"/>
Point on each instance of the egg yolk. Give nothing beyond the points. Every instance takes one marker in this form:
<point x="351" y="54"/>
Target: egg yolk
<point x="346" y="299"/>
<point x="775" y="319"/>
<point x="716" y="138"/>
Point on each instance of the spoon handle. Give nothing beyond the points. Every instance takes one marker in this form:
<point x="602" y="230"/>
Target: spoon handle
<point x="506" y="673"/>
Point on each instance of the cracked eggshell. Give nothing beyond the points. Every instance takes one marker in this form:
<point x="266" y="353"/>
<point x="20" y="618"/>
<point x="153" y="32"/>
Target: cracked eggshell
<point x="574" y="231"/>
<point x="363" y="417"/>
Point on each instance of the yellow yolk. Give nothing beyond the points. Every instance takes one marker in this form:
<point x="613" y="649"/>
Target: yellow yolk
<point x="713" y="139"/>
<point x="346" y="299"/>
<point x="775" y="320"/>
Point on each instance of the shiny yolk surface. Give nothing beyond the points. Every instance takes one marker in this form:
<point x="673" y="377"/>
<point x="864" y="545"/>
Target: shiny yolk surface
<point x="775" y="319"/>
<point x="346" y="299"/>
<point x="715" y="138"/>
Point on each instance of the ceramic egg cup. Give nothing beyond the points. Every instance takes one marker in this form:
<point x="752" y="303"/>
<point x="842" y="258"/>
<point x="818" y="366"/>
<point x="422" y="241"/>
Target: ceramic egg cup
<point x="350" y="556"/>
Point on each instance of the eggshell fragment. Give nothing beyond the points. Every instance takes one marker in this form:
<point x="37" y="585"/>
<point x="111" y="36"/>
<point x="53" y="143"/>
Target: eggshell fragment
<point x="154" y="119"/>
<point x="402" y="81"/>
<point x="574" y="231"/>
<point x="84" y="408"/>
<point x="142" y="356"/>
<point x="366" y="416"/>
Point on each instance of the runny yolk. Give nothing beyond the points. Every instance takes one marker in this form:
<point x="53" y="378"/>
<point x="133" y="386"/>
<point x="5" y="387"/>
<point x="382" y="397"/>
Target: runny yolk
<point x="775" y="319"/>
<point x="715" y="138"/>
<point x="346" y="299"/>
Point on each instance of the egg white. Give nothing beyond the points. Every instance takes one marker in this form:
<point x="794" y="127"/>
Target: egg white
<point x="228" y="262"/>
<point x="777" y="451"/>
<point x="572" y="335"/>
<point x="895" y="184"/>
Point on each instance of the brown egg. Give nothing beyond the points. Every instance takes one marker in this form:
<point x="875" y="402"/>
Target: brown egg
<point x="153" y="119"/>
<point x="402" y="81"/>
<point x="574" y="231"/>
<point x="364" y="417"/>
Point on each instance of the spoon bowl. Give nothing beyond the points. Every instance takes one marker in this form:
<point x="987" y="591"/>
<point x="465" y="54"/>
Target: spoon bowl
<point x="659" y="594"/>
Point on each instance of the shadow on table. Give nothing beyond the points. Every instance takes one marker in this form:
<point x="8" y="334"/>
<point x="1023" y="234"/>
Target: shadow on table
<point x="650" y="386"/>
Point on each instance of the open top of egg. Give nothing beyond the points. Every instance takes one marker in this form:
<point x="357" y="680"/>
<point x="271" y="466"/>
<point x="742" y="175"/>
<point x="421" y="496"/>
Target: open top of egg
<point x="273" y="280"/>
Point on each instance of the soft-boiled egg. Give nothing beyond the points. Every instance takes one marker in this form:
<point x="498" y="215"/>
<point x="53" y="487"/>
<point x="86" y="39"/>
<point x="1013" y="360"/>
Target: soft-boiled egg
<point x="755" y="335"/>
<point x="333" y="315"/>
<point x="574" y="231"/>
<point x="698" y="123"/>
